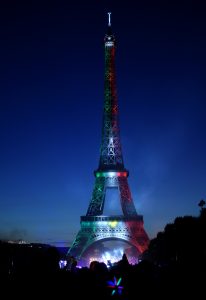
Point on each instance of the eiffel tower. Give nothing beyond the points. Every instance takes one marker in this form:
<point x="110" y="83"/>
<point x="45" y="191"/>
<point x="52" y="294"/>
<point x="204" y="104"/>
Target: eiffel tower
<point x="111" y="173"/>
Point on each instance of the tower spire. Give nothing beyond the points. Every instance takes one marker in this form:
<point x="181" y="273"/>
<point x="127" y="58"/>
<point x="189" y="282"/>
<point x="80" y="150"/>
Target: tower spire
<point x="110" y="153"/>
<point x="109" y="18"/>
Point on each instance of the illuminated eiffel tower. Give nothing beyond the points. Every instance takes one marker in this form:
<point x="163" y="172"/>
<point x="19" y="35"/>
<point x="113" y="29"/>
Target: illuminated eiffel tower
<point x="111" y="173"/>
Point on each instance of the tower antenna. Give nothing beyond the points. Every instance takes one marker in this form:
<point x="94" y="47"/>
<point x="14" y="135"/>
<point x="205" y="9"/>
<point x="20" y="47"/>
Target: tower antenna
<point x="109" y="18"/>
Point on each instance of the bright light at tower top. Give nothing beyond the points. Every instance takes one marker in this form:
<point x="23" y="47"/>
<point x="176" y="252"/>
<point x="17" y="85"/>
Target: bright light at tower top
<point x="109" y="18"/>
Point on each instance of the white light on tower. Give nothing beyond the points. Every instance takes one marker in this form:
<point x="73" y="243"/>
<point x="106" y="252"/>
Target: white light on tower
<point x="109" y="20"/>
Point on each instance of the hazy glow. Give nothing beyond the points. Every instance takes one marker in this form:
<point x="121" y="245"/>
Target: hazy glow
<point x="112" y="256"/>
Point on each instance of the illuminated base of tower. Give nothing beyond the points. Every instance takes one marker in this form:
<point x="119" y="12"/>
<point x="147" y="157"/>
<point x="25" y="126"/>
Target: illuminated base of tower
<point x="98" y="229"/>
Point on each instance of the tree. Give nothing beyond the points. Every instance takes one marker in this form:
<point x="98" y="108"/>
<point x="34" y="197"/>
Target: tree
<point x="201" y="203"/>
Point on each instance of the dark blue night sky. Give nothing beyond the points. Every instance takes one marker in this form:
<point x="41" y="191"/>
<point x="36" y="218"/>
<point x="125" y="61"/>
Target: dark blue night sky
<point x="51" y="96"/>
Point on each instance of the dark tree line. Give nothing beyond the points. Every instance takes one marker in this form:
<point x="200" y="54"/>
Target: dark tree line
<point x="179" y="255"/>
<point x="182" y="242"/>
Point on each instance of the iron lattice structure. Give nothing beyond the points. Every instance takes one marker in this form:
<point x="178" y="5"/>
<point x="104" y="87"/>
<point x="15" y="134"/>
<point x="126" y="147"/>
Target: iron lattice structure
<point x="110" y="173"/>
